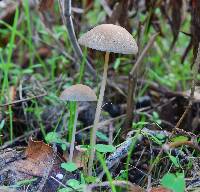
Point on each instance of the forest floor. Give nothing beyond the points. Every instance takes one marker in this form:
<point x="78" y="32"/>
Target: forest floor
<point x="148" y="134"/>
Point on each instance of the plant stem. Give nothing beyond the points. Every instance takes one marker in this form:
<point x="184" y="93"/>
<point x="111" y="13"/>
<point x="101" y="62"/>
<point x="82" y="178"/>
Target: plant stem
<point x="73" y="134"/>
<point x="97" y="115"/>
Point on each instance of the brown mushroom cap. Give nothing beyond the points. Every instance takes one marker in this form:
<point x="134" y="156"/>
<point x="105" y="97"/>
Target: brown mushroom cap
<point x="110" y="38"/>
<point x="78" y="92"/>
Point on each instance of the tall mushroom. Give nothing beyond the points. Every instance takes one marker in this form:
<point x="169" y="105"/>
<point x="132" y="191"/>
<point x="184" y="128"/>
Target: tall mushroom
<point x="108" y="38"/>
<point x="77" y="93"/>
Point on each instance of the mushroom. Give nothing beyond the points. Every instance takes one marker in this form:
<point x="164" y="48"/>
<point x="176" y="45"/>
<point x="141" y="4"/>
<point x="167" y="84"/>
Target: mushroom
<point x="108" y="38"/>
<point x="77" y="93"/>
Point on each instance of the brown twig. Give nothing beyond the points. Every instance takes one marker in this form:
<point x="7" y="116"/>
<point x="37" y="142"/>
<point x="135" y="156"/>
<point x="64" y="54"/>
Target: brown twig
<point x="177" y="144"/>
<point x="125" y="184"/>
<point x="195" y="72"/>
<point x="106" y="7"/>
<point x="23" y="100"/>
<point x="194" y="80"/>
<point x="133" y="81"/>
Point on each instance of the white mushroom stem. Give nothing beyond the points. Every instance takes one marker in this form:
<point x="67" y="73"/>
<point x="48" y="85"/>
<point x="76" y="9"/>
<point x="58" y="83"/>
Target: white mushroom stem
<point x="71" y="151"/>
<point x="97" y="115"/>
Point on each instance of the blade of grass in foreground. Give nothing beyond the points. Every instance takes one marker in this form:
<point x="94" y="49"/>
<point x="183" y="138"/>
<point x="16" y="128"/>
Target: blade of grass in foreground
<point x="6" y="68"/>
<point x="105" y="168"/>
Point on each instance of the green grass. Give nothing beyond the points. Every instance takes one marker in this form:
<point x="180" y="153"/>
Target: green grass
<point x="7" y="66"/>
<point x="105" y="168"/>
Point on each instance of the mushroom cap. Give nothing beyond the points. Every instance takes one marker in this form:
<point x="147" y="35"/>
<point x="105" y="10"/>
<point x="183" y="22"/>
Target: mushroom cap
<point x="110" y="38"/>
<point x="78" y="92"/>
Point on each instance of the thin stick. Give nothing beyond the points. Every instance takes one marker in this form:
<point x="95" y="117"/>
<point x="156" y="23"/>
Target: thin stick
<point x="177" y="144"/>
<point x="195" y="73"/>
<point x="143" y="54"/>
<point x="23" y="100"/>
<point x="133" y="81"/>
<point x="106" y="7"/>
<point x="72" y="37"/>
<point x="115" y="182"/>
<point x="194" y="80"/>
<point x="71" y="152"/>
<point x="97" y="115"/>
<point x="111" y="131"/>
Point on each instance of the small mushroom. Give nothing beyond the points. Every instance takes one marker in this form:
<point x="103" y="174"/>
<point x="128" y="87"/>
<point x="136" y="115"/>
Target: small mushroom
<point x="77" y="93"/>
<point x="108" y="38"/>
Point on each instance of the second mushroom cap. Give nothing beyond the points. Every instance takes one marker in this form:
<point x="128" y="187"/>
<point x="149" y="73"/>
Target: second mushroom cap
<point x="78" y="92"/>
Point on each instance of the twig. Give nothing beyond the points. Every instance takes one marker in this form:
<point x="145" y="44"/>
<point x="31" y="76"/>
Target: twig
<point x="66" y="10"/>
<point x="149" y="184"/>
<point x="124" y="184"/>
<point x="23" y="100"/>
<point x="106" y="7"/>
<point x="24" y="105"/>
<point x="58" y="181"/>
<point x="65" y="186"/>
<point x="111" y="131"/>
<point x="195" y="72"/>
<point x="133" y="81"/>
<point x="143" y="54"/>
<point x="194" y="80"/>
<point x="176" y="144"/>
<point x="188" y="48"/>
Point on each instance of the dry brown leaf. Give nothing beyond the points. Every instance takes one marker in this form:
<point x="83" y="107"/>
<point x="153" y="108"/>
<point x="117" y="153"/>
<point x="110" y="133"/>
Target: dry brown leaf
<point x="39" y="161"/>
<point x="39" y="157"/>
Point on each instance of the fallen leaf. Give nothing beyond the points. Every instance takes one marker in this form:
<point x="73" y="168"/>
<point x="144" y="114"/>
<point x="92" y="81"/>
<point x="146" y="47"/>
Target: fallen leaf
<point x="37" y="165"/>
<point x="39" y="157"/>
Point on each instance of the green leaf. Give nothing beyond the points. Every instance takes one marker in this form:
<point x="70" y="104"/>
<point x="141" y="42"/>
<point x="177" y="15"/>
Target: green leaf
<point x="64" y="146"/>
<point x="174" y="160"/>
<point x="67" y="189"/>
<point x="2" y="124"/>
<point x="26" y="182"/>
<point x="155" y="115"/>
<point x="91" y="179"/>
<point x="101" y="136"/>
<point x="175" y="182"/>
<point x="73" y="183"/>
<point x="160" y="136"/>
<point x="105" y="148"/>
<point x="179" y="138"/>
<point x="69" y="166"/>
<point x="53" y="137"/>
<point x="117" y="63"/>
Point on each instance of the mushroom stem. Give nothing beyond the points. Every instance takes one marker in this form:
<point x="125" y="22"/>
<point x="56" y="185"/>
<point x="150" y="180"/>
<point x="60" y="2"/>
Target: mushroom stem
<point x="71" y="151"/>
<point x="97" y="115"/>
